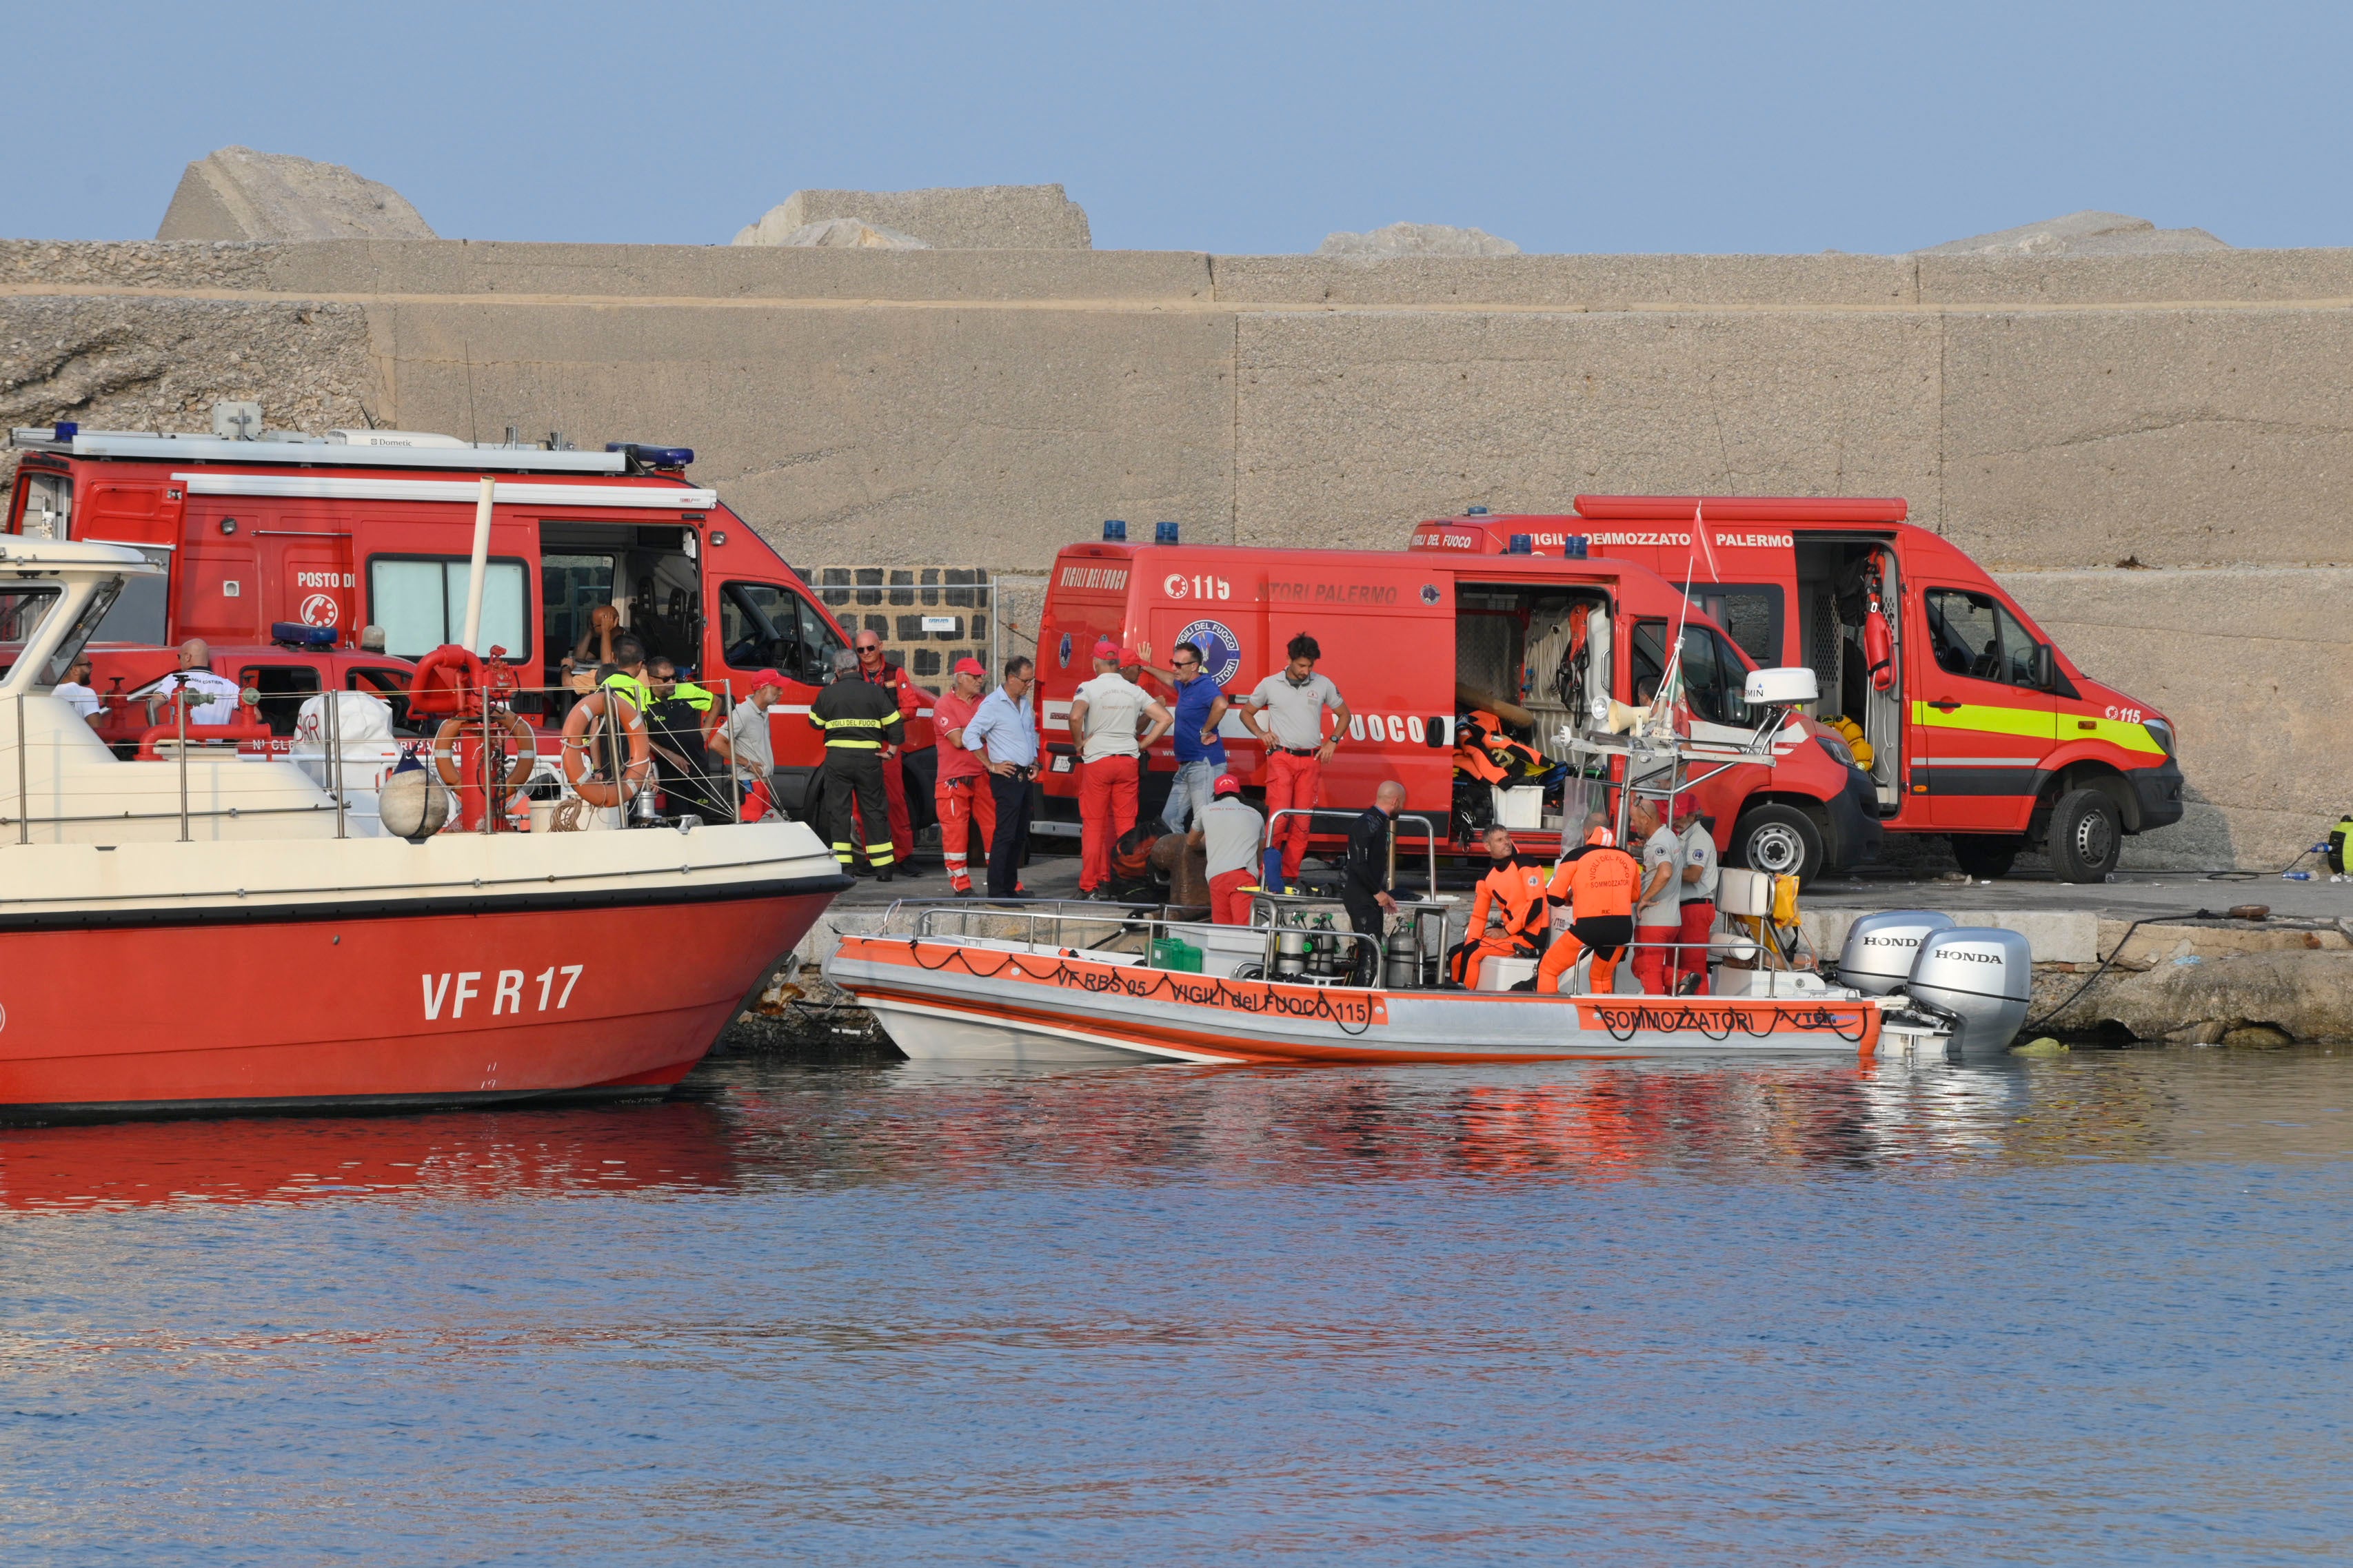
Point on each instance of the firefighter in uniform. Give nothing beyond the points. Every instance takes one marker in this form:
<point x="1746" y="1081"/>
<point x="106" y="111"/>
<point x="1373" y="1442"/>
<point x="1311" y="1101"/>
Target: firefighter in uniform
<point x="877" y="670"/>
<point x="859" y="720"/>
<point x="1598" y="879"/>
<point x="1515" y="893"/>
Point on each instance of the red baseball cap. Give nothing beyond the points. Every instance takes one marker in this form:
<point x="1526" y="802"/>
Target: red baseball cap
<point x="1226" y="785"/>
<point x="1106" y="649"/>
<point x="769" y="678"/>
<point x="970" y="666"/>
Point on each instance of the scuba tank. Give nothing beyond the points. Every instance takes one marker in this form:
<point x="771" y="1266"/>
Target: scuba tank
<point x="1404" y="958"/>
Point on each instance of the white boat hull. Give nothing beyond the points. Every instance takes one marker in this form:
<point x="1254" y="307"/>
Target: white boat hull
<point x="956" y="1000"/>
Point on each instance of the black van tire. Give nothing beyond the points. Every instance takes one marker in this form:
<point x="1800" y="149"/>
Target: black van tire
<point x="1779" y="839"/>
<point x="1987" y="855"/>
<point x="2086" y="835"/>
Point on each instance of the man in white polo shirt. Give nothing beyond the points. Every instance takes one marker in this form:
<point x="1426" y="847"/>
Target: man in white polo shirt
<point x="1104" y="715"/>
<point x="1285" y="711"/>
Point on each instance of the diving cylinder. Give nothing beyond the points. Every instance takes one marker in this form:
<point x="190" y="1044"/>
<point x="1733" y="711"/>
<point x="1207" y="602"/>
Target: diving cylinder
<point x="1877" y="955"/>
<point x="1291" y="951"/>
<point x="1982" y="978"/>
<point x="1404" y="958"/>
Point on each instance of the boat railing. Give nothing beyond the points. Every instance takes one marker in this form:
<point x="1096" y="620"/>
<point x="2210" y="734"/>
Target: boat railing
<point x="1287" y="953"/>
<point x="1429" y="835"/>
<point x="429" y="749"/>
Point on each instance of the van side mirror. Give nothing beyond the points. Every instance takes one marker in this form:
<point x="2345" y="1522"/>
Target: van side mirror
<point x="2046" y="666"/>
<point x="1438" y="732"/>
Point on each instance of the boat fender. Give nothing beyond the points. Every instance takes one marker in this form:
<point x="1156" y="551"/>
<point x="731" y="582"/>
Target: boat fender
<point x="411" y="803"/>
<point x="583" y="727"/>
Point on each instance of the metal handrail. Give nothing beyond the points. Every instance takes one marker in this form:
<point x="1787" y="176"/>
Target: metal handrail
<point x="1155" y="928"/>
<point x="25" y="820"/>
<point x="1429" y="834"/>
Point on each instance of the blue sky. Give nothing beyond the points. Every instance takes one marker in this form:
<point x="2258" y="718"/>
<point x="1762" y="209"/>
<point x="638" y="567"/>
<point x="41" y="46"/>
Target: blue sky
<point x="1231" y="127"/>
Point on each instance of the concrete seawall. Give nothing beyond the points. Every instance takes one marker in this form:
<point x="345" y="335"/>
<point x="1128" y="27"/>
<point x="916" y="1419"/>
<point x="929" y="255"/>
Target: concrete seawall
<point x="2055" y="416"/>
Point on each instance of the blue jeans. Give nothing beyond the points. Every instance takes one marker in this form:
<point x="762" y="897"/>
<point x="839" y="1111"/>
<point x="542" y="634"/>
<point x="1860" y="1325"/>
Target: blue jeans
<point x="1189" y="793"/>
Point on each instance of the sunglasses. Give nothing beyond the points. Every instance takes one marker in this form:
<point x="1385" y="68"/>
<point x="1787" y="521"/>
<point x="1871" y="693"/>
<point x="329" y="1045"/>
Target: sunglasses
<point x="870" y="648"/>
<point x="1188" y="664"/>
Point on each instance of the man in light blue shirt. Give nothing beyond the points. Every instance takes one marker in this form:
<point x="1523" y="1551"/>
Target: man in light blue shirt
<point x="1003" y="732"/>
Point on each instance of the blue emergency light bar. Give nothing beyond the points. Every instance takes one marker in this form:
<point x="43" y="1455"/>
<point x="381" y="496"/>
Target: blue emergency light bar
<point x="1114" y="531"/>
<point x="1576" y="547"/>
<point x="1521" y="544"/>
<point x="294" y="634"/>
<point x="645" y="456"/>
<point x="1164" y="533"/>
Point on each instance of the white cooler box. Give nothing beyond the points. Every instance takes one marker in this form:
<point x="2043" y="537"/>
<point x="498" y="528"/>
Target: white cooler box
<point x="1520" y="808"/>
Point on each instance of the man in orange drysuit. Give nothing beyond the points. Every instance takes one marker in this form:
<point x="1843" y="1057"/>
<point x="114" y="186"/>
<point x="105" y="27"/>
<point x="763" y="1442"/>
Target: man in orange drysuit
<point x="876" y="671"/>
<point x="962" y="796"/>
<point x="1514" y="892"/>
<point x="1598" y="879"/>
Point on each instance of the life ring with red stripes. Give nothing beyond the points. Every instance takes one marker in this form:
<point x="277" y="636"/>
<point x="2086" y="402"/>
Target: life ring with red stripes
<point x="525" y="746"/>
<point x="584" y="734"/>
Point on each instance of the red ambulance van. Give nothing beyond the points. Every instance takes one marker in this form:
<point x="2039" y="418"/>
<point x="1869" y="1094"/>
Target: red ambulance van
<point x="1970" y="722"/>
<point x="1414" y="639"/>
<point x="376" y="527"/>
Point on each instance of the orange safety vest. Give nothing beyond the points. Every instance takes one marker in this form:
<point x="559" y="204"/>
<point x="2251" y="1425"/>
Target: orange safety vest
<point x="1599" y="883"/>
<point x="1521" y="890"/>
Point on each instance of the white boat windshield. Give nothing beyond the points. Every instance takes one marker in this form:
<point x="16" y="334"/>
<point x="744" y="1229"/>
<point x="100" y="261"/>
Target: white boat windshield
<point x="25" y="616"/>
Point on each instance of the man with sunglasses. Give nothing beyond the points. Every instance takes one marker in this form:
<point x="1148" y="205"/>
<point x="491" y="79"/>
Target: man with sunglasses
<point x="876" y="671"/>
<point x="1200" y="755"/>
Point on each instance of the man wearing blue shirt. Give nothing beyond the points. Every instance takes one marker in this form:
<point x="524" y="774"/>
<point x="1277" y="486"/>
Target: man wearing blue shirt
<point x="1200" y="755"/>
<point x="1004" y="732"/>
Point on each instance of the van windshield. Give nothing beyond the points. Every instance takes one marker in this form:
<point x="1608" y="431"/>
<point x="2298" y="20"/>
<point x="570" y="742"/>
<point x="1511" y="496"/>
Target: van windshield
<point x="1713" y="674"/>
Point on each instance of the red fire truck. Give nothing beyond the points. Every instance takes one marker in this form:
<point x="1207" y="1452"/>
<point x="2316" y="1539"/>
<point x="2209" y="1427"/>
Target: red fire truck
<point x="1967" y="720"/>
<point x="1414" y="641"/>
<point x="279" y="549"/>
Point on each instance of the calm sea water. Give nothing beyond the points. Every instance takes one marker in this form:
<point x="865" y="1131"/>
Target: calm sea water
<point x="2093" y="1308"/>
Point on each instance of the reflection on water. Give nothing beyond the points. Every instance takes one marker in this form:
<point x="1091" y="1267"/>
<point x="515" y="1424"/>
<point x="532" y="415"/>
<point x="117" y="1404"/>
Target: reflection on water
<point x="2077" y="1309"/>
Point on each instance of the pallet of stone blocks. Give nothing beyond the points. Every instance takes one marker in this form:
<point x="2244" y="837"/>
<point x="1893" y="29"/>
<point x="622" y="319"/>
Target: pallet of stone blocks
<point x="927" y="616"/>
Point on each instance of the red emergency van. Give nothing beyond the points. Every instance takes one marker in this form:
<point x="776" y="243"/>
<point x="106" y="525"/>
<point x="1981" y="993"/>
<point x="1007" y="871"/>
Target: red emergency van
<point x="362" y="527"/>
<point x="1417" y="639"/>
<point x="1969" y="722"/>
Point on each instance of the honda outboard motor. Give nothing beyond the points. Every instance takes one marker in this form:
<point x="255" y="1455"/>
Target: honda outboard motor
<point x="1879" y="950"/>
<point x="1980" y="977"/>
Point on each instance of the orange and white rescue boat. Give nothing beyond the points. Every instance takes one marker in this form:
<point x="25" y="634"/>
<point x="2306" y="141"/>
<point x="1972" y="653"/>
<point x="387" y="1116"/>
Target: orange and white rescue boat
<point x="1068" y="983"/>
<point x="211" y="934"/>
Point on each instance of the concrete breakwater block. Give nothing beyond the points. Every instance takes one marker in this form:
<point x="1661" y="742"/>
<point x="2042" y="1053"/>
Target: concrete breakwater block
<point x="2252" y="1000"/>
<point x="971" y="218"/>
<point x="240" y="194"/>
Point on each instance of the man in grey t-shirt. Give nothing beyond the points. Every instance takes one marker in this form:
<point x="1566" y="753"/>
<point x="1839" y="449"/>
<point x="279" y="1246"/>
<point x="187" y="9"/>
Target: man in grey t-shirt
<point x="750" y="746"/>
<point x="1285" y="711"/>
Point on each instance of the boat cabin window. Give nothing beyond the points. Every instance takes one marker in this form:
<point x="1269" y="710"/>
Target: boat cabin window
<point x="141" y="611"/>
<point x="284" y="688"/>
<point x="420" y="603"/>
<point x="1713" y="673"/>
<point x="763" y="625"/>
<point x="1974" y="636"/>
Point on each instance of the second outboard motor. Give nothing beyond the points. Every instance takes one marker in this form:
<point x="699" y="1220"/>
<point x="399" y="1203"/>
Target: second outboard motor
<point x="1877" y="955"/>
<point x="1983" y="978"/>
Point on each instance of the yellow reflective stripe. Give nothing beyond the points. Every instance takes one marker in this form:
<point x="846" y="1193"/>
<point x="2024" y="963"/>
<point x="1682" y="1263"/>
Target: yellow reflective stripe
<point x="856" y="724"/>
<point x="2115" y="731"/>
<point x="854" y="745"/>
<point x="2035" y="723"/>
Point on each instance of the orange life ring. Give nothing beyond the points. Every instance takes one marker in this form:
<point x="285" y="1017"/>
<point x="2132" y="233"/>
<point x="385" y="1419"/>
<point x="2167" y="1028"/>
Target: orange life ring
<point x="526" y="750"/>
<point x="583" y="726"/>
